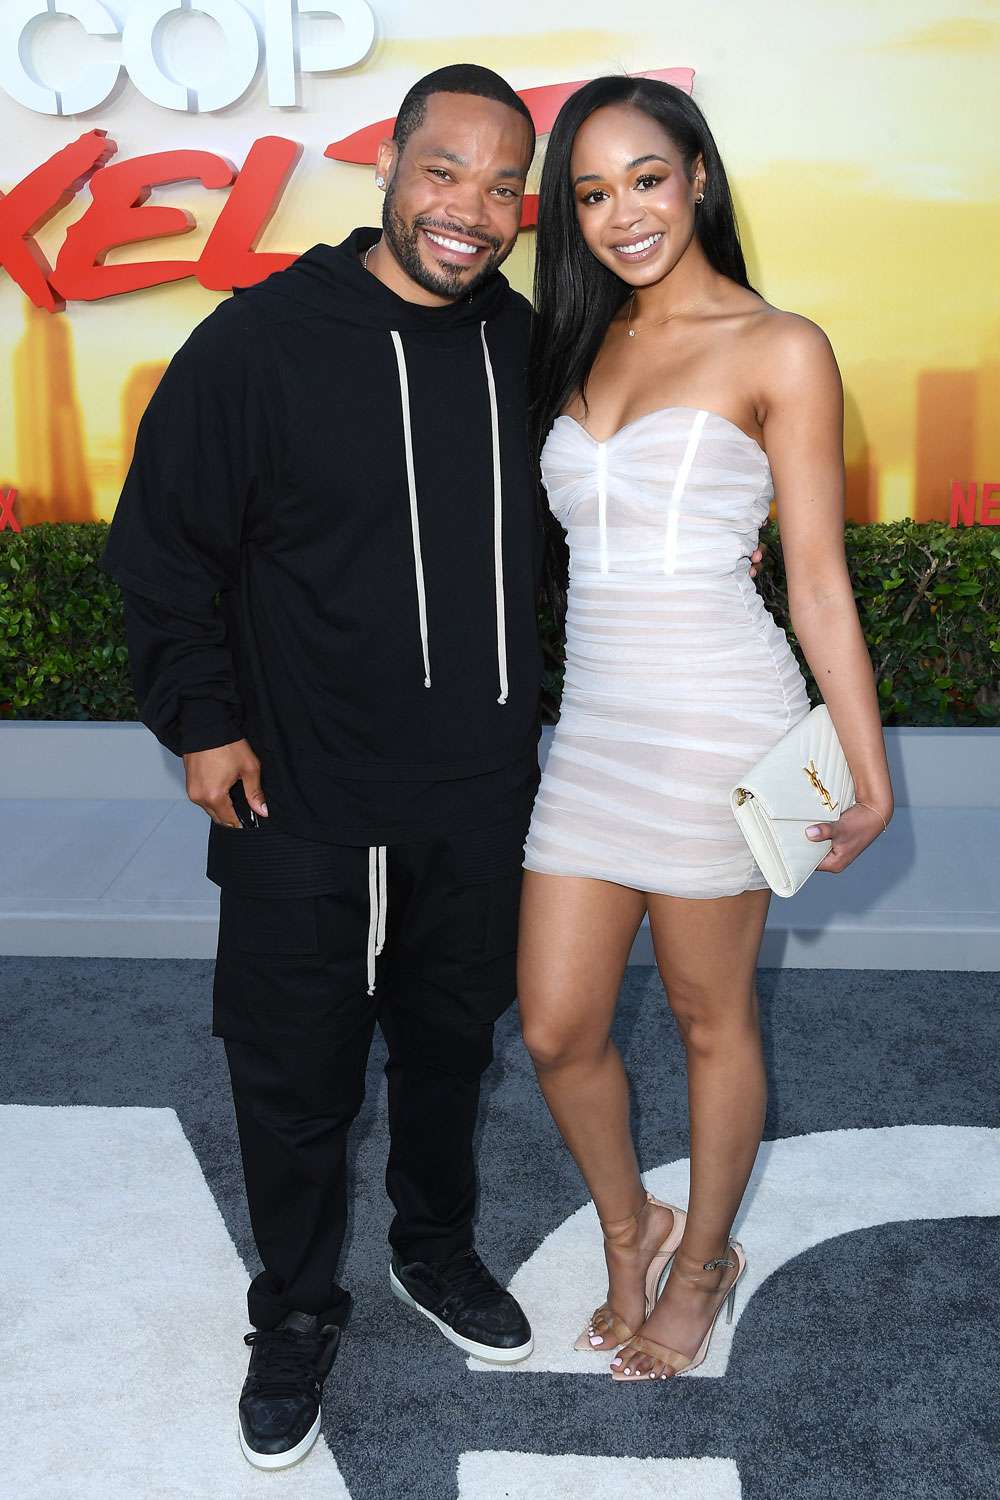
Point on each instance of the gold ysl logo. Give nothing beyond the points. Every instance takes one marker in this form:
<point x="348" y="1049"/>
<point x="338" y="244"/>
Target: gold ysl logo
<point x="813" y="775"/>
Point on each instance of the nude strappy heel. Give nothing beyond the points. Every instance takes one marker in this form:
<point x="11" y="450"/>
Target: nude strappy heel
<point x="673" y="1359"/>
<point x="614" y="1331"/>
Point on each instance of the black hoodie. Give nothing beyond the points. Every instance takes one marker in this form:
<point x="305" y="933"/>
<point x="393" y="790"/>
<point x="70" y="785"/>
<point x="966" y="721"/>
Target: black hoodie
<point x="349" y="473"/>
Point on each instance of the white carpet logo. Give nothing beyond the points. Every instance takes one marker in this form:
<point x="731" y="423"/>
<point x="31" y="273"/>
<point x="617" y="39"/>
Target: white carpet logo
<point x="93" y="1195"/>
<point x="121" y="1285"/>
<point x="804" y="1190"/>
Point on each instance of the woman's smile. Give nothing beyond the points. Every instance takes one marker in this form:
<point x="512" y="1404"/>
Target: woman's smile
<point x="633" y="250"/>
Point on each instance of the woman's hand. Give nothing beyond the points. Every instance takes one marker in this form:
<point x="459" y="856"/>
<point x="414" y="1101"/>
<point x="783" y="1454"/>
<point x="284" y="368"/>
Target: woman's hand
<point x="858" y="827"/>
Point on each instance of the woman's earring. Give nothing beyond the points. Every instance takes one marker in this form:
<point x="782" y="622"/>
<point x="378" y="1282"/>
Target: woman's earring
<point x="380" y="182"/>
<point x="699" y="197"/>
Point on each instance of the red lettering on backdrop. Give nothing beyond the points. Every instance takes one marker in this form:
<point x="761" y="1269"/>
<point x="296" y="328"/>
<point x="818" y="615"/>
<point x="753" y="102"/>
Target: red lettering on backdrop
<point x="119" y="215"/>
<point x="230" y="258"/>
<point x="544" y="103"/>
<point x="30" y="205"/>
<point x="962" y="511"/>
<point x="7" y="516"/>
<point x="990" y="512"/>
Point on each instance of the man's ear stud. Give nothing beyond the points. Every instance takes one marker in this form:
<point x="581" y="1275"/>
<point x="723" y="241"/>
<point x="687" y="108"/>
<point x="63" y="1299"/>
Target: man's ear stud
<point x="380" y="182"/>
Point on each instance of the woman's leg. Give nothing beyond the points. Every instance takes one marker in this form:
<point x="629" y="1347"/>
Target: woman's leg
<point x="707" y="952"/>
<point x="575" y="937"/>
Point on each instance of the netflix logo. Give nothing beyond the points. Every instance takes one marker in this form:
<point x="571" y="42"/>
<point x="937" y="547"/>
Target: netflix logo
<point x="966" y="501"/>
<point x="7" y="516"/>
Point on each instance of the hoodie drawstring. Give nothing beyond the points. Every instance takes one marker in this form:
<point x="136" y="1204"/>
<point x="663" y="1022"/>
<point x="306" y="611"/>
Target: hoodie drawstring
<point x="411" y="481"/>
<point x="497" y="522"/>
<point x="378" y="907"/>
<point x="418" y="562"/>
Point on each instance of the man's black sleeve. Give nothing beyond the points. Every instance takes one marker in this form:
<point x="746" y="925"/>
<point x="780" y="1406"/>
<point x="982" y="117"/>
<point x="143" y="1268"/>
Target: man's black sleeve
<point x="175" y="540"/>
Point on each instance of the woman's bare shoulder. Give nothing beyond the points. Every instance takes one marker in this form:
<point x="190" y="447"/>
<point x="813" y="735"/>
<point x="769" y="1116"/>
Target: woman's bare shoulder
<point x="794" y="366"/>
<point x="790" y="338"/>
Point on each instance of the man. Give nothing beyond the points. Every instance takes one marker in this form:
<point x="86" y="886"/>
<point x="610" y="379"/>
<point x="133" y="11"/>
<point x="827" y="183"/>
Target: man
<point x="329" y="552"/>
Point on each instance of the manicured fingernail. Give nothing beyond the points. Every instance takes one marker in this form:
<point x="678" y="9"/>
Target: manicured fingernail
<point x="813" y="832"/>
<point x="263" y="808"/>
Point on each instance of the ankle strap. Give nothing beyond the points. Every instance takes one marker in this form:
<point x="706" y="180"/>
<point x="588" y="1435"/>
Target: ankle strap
<point x="614" y="1228"/>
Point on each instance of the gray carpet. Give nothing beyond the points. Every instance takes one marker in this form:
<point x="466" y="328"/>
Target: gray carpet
<point x="864" y="1368"/>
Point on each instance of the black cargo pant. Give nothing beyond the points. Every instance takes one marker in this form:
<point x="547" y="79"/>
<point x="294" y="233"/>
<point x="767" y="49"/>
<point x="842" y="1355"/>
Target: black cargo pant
<point x="291" y="1001"/>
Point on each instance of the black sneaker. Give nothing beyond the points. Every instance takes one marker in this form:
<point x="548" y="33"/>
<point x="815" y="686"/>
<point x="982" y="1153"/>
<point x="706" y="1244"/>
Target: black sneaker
<point x="279" y="1403"/>
<point x="464" y="1301"/>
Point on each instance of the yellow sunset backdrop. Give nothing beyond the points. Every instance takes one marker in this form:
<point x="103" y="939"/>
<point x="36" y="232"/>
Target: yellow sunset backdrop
<point x="859" y="139"/>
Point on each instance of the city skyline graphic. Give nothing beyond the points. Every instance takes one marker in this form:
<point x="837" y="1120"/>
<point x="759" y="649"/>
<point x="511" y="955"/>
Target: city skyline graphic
<point x="955" y="411"/>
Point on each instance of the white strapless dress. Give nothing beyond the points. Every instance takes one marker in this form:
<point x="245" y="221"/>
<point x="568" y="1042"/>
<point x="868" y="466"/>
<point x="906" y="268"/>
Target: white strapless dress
<point x="677" y="678"/>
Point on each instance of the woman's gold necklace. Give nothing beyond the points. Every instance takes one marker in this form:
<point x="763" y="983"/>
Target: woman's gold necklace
<point x="658" y="324"/>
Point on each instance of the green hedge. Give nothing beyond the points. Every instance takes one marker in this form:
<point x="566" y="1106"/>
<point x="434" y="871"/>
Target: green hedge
<point x="62" y="635"/>
<point x="929" y="601"/>
<point x="928" y="596"/>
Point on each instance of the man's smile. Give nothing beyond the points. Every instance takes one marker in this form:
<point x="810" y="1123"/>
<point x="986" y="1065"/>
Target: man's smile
<point x="467" y="249"/>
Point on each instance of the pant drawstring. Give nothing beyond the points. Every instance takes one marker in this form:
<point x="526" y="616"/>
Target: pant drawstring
<point x="378" y="907"/>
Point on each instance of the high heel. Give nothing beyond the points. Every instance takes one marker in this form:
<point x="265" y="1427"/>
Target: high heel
<point x="615" y="1331"/>
<point x="676" y="1362"/>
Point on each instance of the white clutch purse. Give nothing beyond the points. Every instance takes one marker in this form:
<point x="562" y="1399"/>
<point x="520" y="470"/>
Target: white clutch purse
<point x="803" y="779"/>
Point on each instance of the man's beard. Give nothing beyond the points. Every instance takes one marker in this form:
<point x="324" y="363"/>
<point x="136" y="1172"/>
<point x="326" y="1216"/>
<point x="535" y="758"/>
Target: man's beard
<point x="403" y="240"/>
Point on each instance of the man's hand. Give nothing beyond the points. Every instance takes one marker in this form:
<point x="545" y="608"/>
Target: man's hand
<point x="210" y="774"/>
<point x="756" y="556"/>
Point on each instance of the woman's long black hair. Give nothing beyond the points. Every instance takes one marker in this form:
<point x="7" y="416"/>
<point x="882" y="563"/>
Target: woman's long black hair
<point x="576" y="296"/>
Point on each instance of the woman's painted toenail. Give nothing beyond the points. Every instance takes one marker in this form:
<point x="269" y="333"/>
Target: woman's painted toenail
<point x="595" y="1338"/>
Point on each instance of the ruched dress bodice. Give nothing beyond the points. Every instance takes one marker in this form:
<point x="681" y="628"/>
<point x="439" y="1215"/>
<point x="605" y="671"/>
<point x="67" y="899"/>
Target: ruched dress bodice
<point x="677" y="678"/>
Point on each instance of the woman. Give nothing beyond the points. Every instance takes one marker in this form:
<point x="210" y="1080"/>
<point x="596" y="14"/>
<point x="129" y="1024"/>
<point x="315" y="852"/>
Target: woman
<point x="672" y="401"/>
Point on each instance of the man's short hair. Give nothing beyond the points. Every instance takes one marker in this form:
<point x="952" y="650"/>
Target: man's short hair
<point x="457" y="78"/>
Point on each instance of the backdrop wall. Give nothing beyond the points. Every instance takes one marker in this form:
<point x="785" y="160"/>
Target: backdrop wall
<point x="860" y="141"/>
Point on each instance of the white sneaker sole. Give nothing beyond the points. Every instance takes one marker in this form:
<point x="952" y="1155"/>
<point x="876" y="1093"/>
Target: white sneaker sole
<point x="469" y="1346"/>
<point x="280" y="1460"/>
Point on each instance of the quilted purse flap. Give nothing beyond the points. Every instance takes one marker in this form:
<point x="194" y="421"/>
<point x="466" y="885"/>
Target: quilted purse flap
<point x="805" y="776"/>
